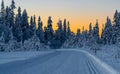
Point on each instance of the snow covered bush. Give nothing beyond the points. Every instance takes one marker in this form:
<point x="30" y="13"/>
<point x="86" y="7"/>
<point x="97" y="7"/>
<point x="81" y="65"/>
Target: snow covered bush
<point x="33" y="44"/>
<point x="72" y="42"/>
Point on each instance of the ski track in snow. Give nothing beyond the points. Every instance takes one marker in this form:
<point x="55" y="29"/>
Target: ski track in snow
<point x="63" y="61"/>
<point x="101" y="64"/>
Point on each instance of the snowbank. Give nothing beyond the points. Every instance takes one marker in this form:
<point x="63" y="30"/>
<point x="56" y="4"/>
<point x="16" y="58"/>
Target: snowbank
<point x="6" y="57"/>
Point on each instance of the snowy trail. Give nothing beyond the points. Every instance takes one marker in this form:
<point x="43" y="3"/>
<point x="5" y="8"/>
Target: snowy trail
<point x="59" y="62"/>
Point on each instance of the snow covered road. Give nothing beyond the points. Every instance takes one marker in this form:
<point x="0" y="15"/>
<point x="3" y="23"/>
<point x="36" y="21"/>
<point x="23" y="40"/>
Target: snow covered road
<point x="59" y="62"/>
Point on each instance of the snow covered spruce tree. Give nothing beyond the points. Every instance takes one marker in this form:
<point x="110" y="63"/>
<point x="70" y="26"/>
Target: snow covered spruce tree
<point x="11" y="16"/>
<point x="116" y="26"/>
<point x="49" y="32"/>
<point x="18" y="23"/>
<point x="50" y="29"/>
<point x="90" y="40"/>
<point x="68" y="30"/>
<point x="59" y="36"/>
<point x="96" y="32"/>
<point x="4" y="24"/>
<point x="4" y="29"/>
<point x="2" y="18"/>
<point x="32" y="25"/>
<point x="40" y="32"/>
<point x="84" y="37"/>
<point x="65" y="29"/>
<point x="35" y="41"/>
<point x="116" y="34"/>
<point x="25" y="26"/>
<point x="107" y="34"/>
<point x="78" y="41"/>
<point x="70" y="40"/>
<point x="94" y="38"/>
<point x="45" y="36"/>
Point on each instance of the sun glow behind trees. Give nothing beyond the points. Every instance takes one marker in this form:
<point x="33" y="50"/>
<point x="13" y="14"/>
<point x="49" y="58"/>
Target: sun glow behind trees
<point x="79" y="12"/>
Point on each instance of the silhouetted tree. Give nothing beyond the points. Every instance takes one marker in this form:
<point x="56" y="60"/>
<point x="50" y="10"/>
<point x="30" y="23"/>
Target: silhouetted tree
<point x="68" y="29"/>
<point x="65" y="28"/>
<point x="96" y="32"/>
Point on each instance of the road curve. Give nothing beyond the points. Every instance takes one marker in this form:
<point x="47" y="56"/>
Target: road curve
<point x="59" y="62"/>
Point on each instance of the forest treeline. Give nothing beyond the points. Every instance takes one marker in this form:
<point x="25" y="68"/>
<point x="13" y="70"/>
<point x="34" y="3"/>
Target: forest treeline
<point x="16" y="33"/>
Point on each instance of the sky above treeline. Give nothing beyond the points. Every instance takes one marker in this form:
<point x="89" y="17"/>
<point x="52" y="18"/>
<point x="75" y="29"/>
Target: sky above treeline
<point x="79" y="12"/>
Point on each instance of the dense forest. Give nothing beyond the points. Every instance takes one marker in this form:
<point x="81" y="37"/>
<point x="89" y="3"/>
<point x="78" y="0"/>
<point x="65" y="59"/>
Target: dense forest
<point x="17" y="34"/>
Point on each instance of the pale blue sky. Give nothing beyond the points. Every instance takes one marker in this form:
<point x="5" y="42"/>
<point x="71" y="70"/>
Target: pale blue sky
<point x="68" y="4"/>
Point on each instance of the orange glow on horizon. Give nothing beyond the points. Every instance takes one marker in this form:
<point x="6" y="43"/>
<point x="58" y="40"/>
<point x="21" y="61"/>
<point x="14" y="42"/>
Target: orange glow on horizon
<point x="75" y="22"/>
<point x="78" y="12"/>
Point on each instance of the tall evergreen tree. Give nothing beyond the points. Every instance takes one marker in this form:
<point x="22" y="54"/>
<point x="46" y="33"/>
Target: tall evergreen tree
<point x="90" y="33"/>
<point x="65" y="28"/>
<point x="2" y="18"/>
<point x="25" y="26"/>
<point x="18" y="30"/>
<point x="12" y="7"/>
<point x="68" y="29"/>
<point x="2" y="5"/>
<point x="2" y="13"/>
<point x="78" y="39"/>
<point x="34" y="20"/>
<point x="7" y="19"/>
<point x="45" y="35"/>
<point x="32" y="26"/>
<point x="96" y="32"/>
<point x="4" y="22"/>
<point x="49" y="29"/>
<point x="40" y="32"/>
<point x="84" y="35"/>
<point x="103" y="35"/>
<point x="116" y="26"/>
<point x="108" y="32"/>
<point x="59" y="35"/>
<point x="90" y="36"/>
<point x="78" y="33"/>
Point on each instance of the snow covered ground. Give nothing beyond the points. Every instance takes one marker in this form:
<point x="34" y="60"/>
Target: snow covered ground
<point x="6" y="57"/>
<point x="63" y="61"/>
<point x="108" y="54"/>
